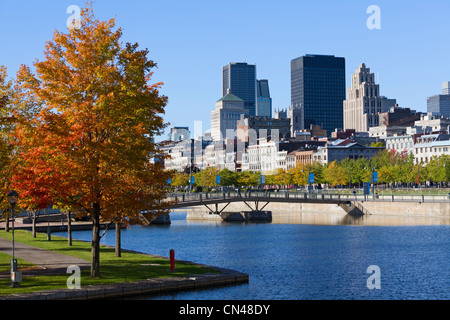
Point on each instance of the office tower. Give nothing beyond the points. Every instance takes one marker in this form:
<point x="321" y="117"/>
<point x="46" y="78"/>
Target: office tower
<point x="318" y="91"/>
<point x="226" y="115"/>
<point x="364" y="101"/>
<point x="240" y="80"/>
<point x="446" y="88"/>
<point x="263" y="99"/>
<point x="440" y="104"/>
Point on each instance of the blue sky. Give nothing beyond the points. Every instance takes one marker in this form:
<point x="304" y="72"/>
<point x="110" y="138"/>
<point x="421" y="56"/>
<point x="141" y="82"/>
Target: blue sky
<point x="192" y="40"/>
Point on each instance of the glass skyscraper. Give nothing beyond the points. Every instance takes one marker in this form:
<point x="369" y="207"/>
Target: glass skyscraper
<point x="318" y="90"/>
<point x="240" y="79"/>
<point x="440" y="104"/>
<point x="263" y="99"/>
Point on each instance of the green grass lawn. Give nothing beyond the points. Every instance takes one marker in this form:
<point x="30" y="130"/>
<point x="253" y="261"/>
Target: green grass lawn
<point x="128" y="268"/>
<point x="5" y="261"/>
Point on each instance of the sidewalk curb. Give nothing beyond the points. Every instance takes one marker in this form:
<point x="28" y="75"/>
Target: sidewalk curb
<point x="144" y="287"/>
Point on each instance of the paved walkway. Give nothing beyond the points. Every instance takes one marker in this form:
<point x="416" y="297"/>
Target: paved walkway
<point x="47" y="261"/>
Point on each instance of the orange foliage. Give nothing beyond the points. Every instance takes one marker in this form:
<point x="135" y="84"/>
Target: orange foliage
<point x="89" y="146"/>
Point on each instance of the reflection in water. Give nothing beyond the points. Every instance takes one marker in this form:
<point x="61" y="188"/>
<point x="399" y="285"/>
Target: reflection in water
<point x="366" y="220"/>
<point x="306" y="256"/>
<point x="330" y="216"/>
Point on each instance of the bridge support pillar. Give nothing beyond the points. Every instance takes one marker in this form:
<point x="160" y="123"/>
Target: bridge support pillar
<point x="246" y="216"/>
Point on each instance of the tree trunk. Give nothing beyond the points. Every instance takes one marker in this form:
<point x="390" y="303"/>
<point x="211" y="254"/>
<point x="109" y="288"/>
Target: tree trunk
<point x="118" y="240"/>
<point x="95" y="247"/>
<point x="69" y="229"/>
<point x="34" y="224"/>
<point x="7" y="223"/>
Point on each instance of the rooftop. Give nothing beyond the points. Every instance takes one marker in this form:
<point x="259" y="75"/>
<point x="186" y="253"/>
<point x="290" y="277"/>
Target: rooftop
<point x="229" y="97"/>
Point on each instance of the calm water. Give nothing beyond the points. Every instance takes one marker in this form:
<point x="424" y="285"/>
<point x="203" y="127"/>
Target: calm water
<point x="304" y="261"/>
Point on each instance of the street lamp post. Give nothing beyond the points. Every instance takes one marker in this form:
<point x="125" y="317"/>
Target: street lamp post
<point x="309" y="179"/>
<point x="372" y="179"/>
<point x="373" y="182"/>
<point x="349" y="179"/>
<point x="15" y="276"/>
<point x="418" y="179"/>
<point x="190" y="177"/>
<point x="445" y="165"/>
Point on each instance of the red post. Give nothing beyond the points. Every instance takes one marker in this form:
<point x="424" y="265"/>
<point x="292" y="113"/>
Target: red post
<point x="172" y="260"/>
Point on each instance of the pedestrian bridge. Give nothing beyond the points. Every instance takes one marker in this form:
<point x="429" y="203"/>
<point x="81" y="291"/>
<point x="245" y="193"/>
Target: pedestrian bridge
<point x="256" y="201"/>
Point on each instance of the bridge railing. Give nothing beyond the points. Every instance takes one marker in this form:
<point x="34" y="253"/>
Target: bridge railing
<point x="267" y="195"/>
<point x="257" y="195"/>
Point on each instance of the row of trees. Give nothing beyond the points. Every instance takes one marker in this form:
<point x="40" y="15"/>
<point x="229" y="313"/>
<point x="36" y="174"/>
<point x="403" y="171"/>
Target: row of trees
<point x="76" y="129"/>
<point x="391" y="168"/>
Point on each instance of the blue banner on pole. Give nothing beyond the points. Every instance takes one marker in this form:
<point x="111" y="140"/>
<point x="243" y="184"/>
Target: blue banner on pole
<point x="192" y="180"/>
<point x="311" y="178"/>
<point x="263" y="179"/>
<point x="375" y="177"/>
<point x="169" y="181"/>
<point x="366" y="187"/>
<point x="218" y="179"/>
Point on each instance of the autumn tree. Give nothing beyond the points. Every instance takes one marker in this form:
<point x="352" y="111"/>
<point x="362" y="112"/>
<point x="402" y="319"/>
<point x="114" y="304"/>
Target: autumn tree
<point x="180" y="179"/>
<point x="282" y="177"/>
<point x="6" y="122"/>
<point x="248" y="178"/>
<point x="299" y="174"/>
<point x="386" y="174"/>
<point x="228" y="177"/>
<point x="439" y="169"/>
<point x="17" y="107"/>
<point x="358" y="171"/>
<point x="318" y="170"/>
<point x="334" y="174"/>
<point x="206" y="177"/>
<point x="93" y="135"/>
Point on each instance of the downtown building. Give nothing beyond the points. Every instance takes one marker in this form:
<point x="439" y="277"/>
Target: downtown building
<point x="263" y="99"/>
<point x="440" y="104"/>
<point x="318" y="91"/>
<point x="364" y="102"/>
<point x="265" y="157"/>
<point x="225" y="117"/>
<point x="179" y="134"/>
<point x="239" y="79"/>
<point x="431" y="146"/>
<point x="261" y="127"/>
<point x="183" y="154"/>
<point x="429" y="137"/>
<point x="339" y="150"/>
<point x="393" y="122"/>
<point x="218" y="154"/>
